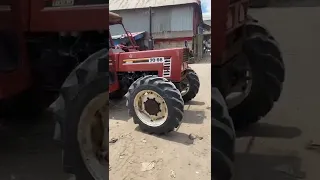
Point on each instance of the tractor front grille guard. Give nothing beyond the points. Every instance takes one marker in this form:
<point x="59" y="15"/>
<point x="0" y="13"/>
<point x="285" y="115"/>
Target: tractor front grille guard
<point x="186" y="55"/>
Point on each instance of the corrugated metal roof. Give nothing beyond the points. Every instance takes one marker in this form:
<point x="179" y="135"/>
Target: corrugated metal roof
<point x="135" y="4"/>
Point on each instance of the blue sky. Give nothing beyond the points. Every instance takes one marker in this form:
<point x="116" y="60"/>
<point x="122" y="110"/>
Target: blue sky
<point x="206" y="8"/>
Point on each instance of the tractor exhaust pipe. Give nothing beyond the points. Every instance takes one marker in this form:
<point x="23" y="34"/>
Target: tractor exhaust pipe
<point x="150" y="41"/>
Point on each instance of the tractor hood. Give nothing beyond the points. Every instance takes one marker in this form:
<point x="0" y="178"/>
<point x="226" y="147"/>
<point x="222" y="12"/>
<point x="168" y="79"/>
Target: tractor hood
<point x="175" y="54"/>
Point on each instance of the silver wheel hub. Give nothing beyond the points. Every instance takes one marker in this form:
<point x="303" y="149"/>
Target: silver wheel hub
<point x="92" y="136"/>
<point x="240" y="90"/>
<point x="150" y="108"/>
<point x="185" y="86"/>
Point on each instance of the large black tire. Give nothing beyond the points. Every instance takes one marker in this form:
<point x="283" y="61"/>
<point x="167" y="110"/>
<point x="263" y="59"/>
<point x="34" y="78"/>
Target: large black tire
<point x="253" y="26"/>
<point x="171" y="95"/>
<point x="268" y="75"/>
<point x="223" y="138"/>
<point x="267" y="45"/>
<point x="86" y="82"/>
<point x="194" y="85"/>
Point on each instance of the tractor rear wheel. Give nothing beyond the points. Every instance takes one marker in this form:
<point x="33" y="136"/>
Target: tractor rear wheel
<point x="83" y="117"/>
<point x="223" y="138"/>
<point x="191" y="85"/>
<point x="271" y="45"/>
<point x="262" y="83"/>
<point x="253" y="26"/>
<point x="155" y="104"/>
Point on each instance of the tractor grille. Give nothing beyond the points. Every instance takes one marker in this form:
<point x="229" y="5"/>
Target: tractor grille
<point x="167" y="68"/>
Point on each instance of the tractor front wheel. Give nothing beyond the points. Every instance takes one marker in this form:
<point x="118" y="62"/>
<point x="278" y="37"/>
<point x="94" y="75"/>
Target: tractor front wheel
<point x="259" y="84"/>
<point x="155" y="104"/>
<point x="190" y="85"/>
<point x="223" y="135"/>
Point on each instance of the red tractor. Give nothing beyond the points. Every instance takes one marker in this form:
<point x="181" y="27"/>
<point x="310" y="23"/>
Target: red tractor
<point x="247" y="76"/>
<point x="156" y="83"/>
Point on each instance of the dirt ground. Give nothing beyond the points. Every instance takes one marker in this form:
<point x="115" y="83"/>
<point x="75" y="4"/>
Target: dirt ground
<point x="139" y="156"/>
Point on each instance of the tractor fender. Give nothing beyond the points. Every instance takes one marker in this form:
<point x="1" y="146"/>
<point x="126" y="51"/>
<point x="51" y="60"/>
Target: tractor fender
<point x="86" y="71"/>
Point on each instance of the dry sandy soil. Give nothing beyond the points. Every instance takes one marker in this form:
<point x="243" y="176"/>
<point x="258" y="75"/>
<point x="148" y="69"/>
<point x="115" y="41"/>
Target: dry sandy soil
<point x="139" y="156"/>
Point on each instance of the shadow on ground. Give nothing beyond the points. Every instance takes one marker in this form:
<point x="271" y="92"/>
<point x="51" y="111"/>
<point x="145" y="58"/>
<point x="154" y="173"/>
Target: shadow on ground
<point x="270" y="130"/>
<point x="174" y="136"/>
<point x="193" y="102"/>
<point x="267" y="167"/>
<point x="251" y="166"/>
<point x="194" y="117"/>
<point x="118" y="111"/>
<point x="27" y="151"/>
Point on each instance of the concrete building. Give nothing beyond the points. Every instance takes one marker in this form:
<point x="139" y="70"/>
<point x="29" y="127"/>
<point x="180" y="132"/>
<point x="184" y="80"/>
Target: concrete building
<point x="172" y="22"/>
<point x="207" y="25"/>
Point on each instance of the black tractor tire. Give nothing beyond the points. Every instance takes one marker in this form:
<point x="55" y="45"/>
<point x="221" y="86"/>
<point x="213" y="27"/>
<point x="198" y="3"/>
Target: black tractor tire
<point x="268" y="75"/>
<point x="259" y="3"/>
<point x="223" y="138"/>
<point x="194" y="85"/>
<point x="253" y="26"/>
<point x="86" y="82"/>
<point x="171" y="95"/>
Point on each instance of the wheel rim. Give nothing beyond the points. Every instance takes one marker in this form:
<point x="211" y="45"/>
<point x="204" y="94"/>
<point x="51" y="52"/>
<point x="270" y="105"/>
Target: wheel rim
<point x="186" y="86"/>
<point x="150" y="108"/>
<point x="92" y="136"/>
<point x="242" y="88"/>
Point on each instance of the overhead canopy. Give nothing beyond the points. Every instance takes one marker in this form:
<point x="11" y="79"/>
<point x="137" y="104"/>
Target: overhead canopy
<point x="114" y="18"/>
<point x="117" y="39"/>
<point x="115" y="5"/>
